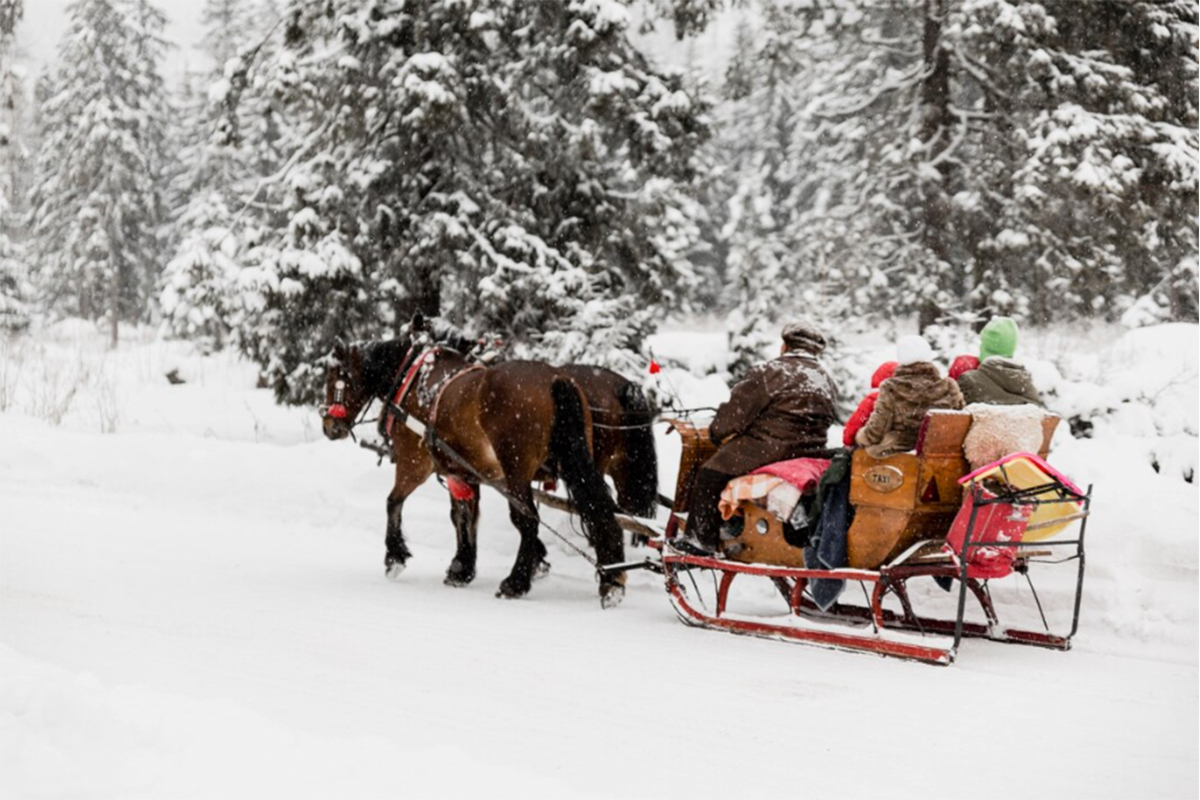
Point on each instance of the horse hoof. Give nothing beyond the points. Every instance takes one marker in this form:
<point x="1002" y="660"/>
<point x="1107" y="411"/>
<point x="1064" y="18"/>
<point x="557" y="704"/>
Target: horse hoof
<point x="509" y="591"/>
<point x="541" y="570"/>
<point x="394" y="570"/>
<point x="611" y="595"/>
<point x="458" y="579"/>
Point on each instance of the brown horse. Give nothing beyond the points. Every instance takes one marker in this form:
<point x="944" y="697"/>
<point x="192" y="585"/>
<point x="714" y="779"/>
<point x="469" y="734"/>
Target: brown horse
<point x="505" y="426"/>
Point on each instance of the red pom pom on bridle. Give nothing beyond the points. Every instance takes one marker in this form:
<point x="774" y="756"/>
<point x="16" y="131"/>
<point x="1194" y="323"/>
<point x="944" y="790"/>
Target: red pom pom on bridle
<point x="336" y="411"/>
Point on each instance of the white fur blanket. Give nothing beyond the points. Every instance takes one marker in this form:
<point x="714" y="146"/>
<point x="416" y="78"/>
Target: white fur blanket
<point x="997" y="431"/>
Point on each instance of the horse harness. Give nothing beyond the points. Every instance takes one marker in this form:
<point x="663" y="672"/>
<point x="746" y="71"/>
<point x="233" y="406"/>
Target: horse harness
<point x="413" y="371"/>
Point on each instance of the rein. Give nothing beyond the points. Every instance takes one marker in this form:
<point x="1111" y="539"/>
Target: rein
<point x="637" y="427"/>
<point x="361" y="418"/>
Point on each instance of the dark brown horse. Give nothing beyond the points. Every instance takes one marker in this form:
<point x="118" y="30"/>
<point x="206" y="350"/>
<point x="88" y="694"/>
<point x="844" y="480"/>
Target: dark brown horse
<point x="506" y="426"/>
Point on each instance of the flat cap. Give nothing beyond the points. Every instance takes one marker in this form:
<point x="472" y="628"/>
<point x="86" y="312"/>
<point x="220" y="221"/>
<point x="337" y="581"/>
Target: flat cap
<point x="803" y="336"/>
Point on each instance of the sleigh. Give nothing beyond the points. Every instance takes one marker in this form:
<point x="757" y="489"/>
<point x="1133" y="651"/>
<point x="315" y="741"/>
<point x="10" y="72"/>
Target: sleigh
<point x="919" y="515"/>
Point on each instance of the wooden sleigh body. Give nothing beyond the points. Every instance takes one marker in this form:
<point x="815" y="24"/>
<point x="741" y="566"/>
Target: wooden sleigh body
<point x="904" y="507"/>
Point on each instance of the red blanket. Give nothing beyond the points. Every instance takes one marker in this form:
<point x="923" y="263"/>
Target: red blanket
<point x="803" y="473"/>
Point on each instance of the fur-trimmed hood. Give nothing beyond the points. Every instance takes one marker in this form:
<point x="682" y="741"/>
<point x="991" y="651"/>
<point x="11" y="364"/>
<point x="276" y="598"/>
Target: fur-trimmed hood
<point x="921" y="383"/>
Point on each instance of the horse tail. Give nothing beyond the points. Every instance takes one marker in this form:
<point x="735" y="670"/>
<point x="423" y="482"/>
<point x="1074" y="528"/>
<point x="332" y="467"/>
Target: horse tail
<point x="572" y="461"/>
<point x="638" y="491"/>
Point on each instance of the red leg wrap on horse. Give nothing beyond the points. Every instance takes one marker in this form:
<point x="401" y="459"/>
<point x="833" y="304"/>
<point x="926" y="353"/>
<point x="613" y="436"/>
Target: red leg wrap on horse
<point x="459" y="490"/>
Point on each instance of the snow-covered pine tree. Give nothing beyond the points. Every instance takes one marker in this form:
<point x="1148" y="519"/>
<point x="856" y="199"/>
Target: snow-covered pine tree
<point x="14" y="290"/>
<point x="230" y="28"/>
<point x="194" y="128"/>
<point x="14" y="285"/>
<point x="878" y="148"/>
<point x="95" y="204"/>
<point x="199" y="281"/>
<point x="1091" y="137"/>
<point x="155" y="105"/>
<point x="248" y="94"/>
<point x="11" y="12"/>
<point x="222" y="163"/>
<point x="762" y="277"/>
<point x="516" y="167"/>
<point x="958" y="159"/>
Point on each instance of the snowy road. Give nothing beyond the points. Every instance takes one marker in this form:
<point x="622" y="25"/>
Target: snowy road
<point x="188" y="616"/>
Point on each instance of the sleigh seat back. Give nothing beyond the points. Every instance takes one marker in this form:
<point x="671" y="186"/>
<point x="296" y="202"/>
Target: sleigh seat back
<point x="909" y="497"/>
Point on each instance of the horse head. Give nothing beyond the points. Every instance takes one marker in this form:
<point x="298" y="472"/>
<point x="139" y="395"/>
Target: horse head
<point x="346" y="390"/>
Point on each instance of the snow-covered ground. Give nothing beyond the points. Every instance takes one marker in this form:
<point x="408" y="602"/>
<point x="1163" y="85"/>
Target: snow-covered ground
<point x="192" y="604"/>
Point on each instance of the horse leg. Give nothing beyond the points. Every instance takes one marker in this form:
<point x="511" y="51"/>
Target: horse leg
<point x="541" y="567"/>
<point x="596" y="507"/>
<point x="465" y="515"/>
<point x="397" y="552"/>
<point x="531" y="553"/>
<point x="413" y="467"/>
<point x="634" y="467"/>
<point x="610" y="549"/>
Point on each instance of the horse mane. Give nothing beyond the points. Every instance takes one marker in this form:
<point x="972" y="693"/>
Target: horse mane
<point x="380" y="362"/>
<point x="381" y="357"/>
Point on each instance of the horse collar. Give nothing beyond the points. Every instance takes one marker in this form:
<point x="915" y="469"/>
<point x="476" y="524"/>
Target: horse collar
<point x="417" y="372"/>
<point x="405" y="378"/>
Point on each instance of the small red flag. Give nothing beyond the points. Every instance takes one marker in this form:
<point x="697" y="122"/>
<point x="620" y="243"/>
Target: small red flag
<point x="654" y="367"/>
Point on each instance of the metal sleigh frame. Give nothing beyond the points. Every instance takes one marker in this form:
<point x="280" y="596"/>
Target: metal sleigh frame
<point x="874" y="629"/>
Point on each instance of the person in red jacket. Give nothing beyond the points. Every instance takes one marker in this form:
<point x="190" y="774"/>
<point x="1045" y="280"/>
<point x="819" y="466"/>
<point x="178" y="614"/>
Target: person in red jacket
<point x="867" y="405"/>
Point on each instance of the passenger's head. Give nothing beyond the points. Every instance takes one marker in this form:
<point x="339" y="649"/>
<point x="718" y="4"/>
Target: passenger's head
<point x="886" y="370"/>
<point x="913" y="349"/>
<point x="803" y="337"/>
<point x="998" y="338"/>
<point x="962" y="365"/>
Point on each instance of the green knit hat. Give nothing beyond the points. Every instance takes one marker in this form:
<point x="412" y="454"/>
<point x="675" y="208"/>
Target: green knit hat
<point x="998" y="338"/>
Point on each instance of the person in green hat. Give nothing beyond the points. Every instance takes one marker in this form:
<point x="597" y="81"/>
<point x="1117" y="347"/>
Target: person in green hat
<point x="999" y="380"/>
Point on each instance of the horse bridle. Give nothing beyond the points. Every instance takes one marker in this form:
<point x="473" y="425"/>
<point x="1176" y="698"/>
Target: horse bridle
<point x="337" y="409"/>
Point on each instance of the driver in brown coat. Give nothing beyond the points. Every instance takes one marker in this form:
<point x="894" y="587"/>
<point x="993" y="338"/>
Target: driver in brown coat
<point x="780" y="410"/>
